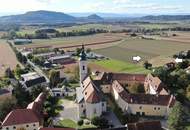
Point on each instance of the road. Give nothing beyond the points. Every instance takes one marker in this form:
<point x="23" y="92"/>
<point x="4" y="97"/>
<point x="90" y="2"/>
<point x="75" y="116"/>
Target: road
<point x="38" y="70"/>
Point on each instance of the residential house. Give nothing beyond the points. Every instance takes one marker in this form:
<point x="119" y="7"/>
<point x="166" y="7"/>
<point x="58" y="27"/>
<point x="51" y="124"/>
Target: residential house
<point x="30" y="118"/>
<point x="33" y="79"/>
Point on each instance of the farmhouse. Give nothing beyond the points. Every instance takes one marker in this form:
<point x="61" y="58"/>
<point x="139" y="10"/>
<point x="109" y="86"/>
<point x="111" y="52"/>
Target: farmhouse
<point x="32" y="79"/>
<point x="63" y="59"/>
<point x="89" y="96"/>
<point x="30" y="118"/>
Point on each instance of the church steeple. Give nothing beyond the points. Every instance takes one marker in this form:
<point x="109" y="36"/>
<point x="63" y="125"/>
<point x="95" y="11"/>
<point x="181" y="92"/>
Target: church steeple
<point x="83" y="53"/>
<point x="83" y="65"/>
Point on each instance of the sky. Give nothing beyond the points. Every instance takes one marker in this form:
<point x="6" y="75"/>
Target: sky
<point x="105" y="6"/>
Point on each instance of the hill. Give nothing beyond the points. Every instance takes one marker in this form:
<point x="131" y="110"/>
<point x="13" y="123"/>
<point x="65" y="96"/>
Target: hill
<point x="94" y="17"/>
<point x="38" y="17"/>
<point x="167" y="17"/>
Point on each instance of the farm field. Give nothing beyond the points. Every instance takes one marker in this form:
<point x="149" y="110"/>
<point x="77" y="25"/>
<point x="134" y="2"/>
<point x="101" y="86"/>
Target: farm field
<point x="7" y="57"/>
<point x="147" y="49"/>
<point x="120" y="66"/>
<point x="73" y="41"/>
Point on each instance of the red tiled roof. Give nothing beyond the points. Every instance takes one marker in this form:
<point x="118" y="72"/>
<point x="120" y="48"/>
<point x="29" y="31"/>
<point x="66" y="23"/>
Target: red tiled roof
<point x="90" y="91"/>
<point x="151" y="125"/>
<point x="20" y="116"/>
<point x="109" y="77"/>
<point x="163" y="100"/>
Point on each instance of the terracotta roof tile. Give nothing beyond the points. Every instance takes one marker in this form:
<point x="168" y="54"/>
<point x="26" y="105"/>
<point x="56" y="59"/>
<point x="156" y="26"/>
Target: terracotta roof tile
<point x="20" y="116"/>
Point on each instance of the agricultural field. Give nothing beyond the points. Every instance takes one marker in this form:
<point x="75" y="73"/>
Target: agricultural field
<point x="147" y="49"/>
<point x="119" y="66"/>
<point x="7" y="57"/>
<point x="73" y="41"/>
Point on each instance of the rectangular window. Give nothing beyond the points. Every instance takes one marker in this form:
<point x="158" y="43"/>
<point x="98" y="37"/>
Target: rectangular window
<point x="83" y="67"/>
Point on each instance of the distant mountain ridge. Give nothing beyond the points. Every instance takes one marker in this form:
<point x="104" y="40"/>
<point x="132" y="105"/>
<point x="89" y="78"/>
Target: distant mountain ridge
<point x="167" y="17"/>
<point x="46" y="17"/>
<point x="51" y="17"/>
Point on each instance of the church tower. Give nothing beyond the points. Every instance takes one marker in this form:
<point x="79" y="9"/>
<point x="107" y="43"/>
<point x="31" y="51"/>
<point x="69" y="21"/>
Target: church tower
<point x="83" y="68"/>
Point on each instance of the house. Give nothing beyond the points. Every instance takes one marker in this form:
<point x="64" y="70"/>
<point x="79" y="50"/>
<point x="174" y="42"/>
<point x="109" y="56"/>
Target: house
<point x="5" y="93"/>
<point x="63" y="59"/>
<point x="57" y="92"/>
<point x="32" y="79"/>
<point x="142" y="104"/>
<point x="149" y="125"/>
<point x="89" y="97"/>
<point x="21" y="118"/>
<point x="170" y="66"/>
<point x="153" y="85"/>
<point x="30" y="118"/>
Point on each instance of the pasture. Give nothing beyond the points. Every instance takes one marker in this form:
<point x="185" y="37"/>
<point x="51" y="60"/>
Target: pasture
<point x="7" y="57"/>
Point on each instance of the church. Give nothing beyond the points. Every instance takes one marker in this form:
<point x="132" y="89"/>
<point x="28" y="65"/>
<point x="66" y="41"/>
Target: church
<point x="156" y="101"/>
<point x="89" y="97"/>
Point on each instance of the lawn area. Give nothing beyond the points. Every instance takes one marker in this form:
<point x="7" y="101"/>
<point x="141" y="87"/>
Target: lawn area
<point x="71" y="124"/>
<point x="120" y="66"/>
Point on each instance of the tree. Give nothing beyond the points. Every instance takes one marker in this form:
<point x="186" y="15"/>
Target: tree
<point x="9" y="73"/>
<point x="100" y="122"/>
<point x="6" y="106"/>
<point x="136" y="88"/>
<point x="18" y="71"/>
<point x="183" y="65"/>
<point x="147" y="65"/>
<point x="176" y="117"/>
<point x="188" y="92"/>
<point x="22" y="96"/>
<point x="54" y="78"/>
<point x="36" y="91"/>
<point x="80" y="122"/>
<point x="88" y="50"/>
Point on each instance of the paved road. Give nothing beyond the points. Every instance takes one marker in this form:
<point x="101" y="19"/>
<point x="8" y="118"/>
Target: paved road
<point x="38" y="70"/>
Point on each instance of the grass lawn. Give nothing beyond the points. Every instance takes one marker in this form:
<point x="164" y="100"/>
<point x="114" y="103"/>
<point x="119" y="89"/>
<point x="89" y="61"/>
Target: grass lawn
<point x="120" y="66"/>
<point x="71" y="124"/>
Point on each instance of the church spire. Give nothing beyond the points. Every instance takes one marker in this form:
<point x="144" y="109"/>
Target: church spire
<point x="83" y="53"/>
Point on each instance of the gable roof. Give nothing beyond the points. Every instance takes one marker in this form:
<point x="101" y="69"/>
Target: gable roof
<point x="122" y="77"/>
<point x="163" y="100"/>
<point x="91" y="92"/>
<point x="36" y="81"/>
<point x="20" y="116"/>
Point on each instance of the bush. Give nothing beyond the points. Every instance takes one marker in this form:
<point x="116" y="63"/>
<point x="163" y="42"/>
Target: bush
<point x="100" y="122"/>
<point x="80" y="122"/>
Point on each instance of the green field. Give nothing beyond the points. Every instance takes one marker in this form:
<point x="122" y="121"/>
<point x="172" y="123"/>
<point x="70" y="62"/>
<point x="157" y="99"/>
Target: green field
<point x="120" y="66"/>
<point x="147" y="49"/>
